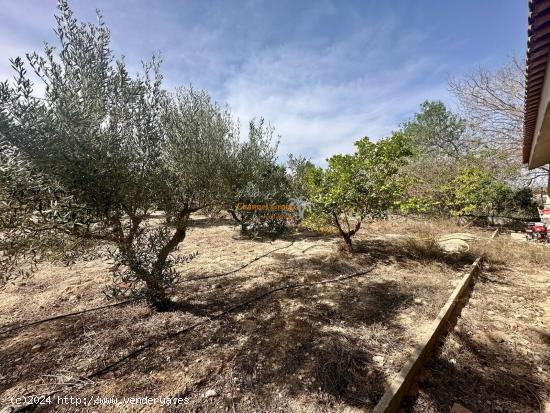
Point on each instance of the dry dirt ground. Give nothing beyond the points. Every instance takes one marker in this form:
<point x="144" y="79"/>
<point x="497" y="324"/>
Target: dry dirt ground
<point x="497" y="358"/>
<point x="269" y="327"/>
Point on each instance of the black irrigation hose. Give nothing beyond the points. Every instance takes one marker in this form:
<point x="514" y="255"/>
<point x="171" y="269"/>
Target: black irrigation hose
<point x="259" y="257"/>
<point x="521" y="219"/>
<point x="185" y="330"/>
<point x="311" y="247"/>
<point x="57" y="317"/>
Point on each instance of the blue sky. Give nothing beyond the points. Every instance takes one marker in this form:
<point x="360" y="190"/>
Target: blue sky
<point x="323" y="73"/>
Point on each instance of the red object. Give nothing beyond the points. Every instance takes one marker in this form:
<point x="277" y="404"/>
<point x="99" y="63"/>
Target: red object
<point x="538" y="231"/>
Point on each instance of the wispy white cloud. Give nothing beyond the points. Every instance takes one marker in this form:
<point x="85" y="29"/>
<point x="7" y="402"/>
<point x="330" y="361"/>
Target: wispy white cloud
<point x="324" y="73"/>
<point x="323" y="99"/>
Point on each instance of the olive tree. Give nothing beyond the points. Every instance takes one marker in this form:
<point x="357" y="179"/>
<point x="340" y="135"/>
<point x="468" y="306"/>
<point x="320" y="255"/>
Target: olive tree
<point x="119" y="147"/>
<point x="258" y="179"/>
<point x="32" y="208"/>
<point x="297" y="169"/>
<point x="356" y="187"/>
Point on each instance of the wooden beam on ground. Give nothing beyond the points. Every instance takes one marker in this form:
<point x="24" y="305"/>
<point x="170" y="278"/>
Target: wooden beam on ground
<point x="394" y="395"/>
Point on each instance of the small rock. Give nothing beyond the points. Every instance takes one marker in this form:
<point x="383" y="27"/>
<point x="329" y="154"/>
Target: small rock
<point x="458" y="408"/>
<point x="452" y="361"/>
<point x="210" y="393"/>
<point x="74" y="298"/>
<point x="418" y="301"/>
<point x="378" y="360"/>
<point x="36" y="347"/>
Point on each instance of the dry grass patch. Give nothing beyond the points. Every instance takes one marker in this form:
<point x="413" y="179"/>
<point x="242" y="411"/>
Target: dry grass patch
<point x="310" y="348"/>
<point x="506" y="251"/>
<point x="496" y="359"/>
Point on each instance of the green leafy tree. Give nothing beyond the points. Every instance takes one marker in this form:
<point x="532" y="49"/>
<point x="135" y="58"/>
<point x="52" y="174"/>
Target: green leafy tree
<point x="118" y="148"/>
<point x="517" y="202"/>
<point x="472" y="190"/>
<point x="33" y="216"/>
<point x="436" y="131"/>
<point x="444" y="153"/>
<point x="297" y="168"/>
<point x="356" y="187"/>
<point x="258" y="179"/>
<point x="475" y="191"/>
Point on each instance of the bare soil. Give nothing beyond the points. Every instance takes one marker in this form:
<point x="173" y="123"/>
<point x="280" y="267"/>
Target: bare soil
<point x="497" y="358"/>
<point x="303" y="339"/>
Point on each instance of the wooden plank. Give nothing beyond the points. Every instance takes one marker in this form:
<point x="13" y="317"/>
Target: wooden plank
<point x="393" y="397"/>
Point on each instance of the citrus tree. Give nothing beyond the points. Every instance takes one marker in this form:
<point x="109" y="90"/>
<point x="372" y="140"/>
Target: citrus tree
<point x="360" y="186"/>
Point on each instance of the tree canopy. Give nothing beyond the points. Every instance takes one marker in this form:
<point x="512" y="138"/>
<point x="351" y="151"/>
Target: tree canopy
<point x="359" y="186"/>
<point x="116" y="148"/>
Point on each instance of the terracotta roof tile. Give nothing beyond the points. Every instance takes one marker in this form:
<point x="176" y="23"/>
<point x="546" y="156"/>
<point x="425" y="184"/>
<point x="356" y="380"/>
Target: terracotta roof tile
<point x="538" y="47"/>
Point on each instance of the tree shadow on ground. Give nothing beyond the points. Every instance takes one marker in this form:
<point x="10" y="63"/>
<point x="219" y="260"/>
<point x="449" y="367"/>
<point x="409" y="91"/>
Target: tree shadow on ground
<point x="492" y="274"/>
<point x="371" y="251"/>
<point x="402" y="252"/>
<point x="208" y="222"/>
<point x="294" y="234"/>
<point x="496" y="379"/>
<point x="69" y="345"/>
<point x="288" y="266"/>
<point x="312" y="342"/>
<point x="227" y="291"/>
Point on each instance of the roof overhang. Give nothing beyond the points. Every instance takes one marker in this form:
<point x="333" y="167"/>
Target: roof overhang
<point x="536" y="133"/>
